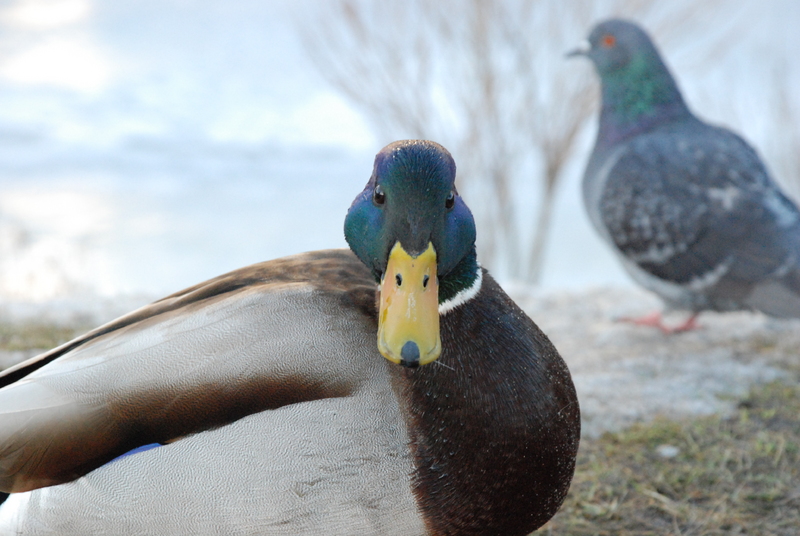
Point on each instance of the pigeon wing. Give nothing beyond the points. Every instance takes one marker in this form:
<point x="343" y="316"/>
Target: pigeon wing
<point x="693" y="203"/>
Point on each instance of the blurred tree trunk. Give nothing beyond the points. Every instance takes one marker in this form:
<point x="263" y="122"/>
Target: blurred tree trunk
<point x="489" y="81"/>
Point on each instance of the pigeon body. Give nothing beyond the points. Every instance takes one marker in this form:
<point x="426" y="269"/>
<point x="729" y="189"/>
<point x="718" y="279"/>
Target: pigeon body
<point x="689" y="207"/>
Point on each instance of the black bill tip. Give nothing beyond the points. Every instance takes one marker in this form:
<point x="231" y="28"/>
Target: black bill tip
<point x="409" y="355"/>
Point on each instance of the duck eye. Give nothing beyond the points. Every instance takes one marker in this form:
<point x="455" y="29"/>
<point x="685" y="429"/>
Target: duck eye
<point x="378" y="196"/>
<point x="608" y="41"/>
<point x="450" y="201"/>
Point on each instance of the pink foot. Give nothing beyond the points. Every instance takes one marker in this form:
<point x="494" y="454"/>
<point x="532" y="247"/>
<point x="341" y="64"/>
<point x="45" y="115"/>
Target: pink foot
<point x="689" y="325"/>
<point x="655" y="320"/>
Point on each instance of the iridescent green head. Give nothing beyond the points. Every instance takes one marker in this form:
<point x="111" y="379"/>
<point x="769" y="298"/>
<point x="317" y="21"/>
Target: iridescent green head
<point x="416" y="234"/>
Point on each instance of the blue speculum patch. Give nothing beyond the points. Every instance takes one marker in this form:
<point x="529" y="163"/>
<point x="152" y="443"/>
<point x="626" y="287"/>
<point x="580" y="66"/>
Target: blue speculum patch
<point x="137" y="450"/>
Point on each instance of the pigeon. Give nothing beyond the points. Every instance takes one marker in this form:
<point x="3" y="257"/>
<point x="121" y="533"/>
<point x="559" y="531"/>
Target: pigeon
<point x="689" y="207"/>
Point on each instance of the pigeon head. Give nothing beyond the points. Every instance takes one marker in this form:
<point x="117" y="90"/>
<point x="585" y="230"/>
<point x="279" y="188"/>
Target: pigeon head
<point x="617" y="46"/>
<point x="636" y="84"/>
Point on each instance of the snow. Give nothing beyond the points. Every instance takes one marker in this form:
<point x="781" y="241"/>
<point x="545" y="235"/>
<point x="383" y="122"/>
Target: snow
<point x="625" y="373"/>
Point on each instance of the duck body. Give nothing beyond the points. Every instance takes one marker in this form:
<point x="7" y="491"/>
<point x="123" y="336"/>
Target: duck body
<point x="689" y="207"/>
<point x="275" y="414"/>
<point x="306" y="455"/>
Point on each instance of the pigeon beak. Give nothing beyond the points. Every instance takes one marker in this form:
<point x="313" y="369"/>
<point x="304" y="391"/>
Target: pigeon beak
<point x="582" y="49"/>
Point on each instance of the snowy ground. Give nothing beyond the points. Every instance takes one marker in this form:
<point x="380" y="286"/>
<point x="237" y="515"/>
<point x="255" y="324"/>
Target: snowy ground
<point x="625" y="373"/>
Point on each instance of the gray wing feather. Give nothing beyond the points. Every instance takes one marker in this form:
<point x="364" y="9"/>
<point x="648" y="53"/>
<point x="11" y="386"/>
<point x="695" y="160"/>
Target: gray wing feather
<point x="174" y="374"/>
<point x="694" y="202"/>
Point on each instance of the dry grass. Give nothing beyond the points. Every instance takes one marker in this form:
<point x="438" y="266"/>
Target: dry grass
<point x="35" y="335"/>
<point x="735" y="475"/>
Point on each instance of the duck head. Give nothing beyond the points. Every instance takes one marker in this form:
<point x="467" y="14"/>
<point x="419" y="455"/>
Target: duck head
<point x="417" y="236"/>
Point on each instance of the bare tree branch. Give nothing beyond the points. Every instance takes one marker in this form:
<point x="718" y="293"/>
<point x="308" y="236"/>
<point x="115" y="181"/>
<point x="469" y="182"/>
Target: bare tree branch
<point x="489" y="81"/>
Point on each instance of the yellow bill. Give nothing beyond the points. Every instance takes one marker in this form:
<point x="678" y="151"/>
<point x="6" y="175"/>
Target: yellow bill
<point x="408" y="318"/>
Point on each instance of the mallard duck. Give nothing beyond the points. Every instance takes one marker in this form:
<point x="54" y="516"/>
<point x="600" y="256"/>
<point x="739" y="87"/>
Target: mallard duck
<point x="258" y="402"/>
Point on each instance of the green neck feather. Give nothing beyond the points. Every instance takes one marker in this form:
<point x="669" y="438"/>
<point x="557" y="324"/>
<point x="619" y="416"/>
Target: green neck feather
<point x="460" y="278"/>
<point x="639" y="94"/>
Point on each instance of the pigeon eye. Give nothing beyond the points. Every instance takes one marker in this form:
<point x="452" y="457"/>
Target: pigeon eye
<point x="608" y="41"/>
<point x="450" y="201"/>
<point x="378" y="196"/>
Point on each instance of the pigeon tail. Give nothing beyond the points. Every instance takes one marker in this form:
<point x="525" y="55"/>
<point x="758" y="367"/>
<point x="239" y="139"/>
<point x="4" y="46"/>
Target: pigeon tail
<point x="778" y="297"/>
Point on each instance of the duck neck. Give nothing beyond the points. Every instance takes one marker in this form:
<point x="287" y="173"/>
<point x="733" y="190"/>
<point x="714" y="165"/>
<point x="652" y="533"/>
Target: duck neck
<point x="461" y="284"/>
<point x="493" y="424"/>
